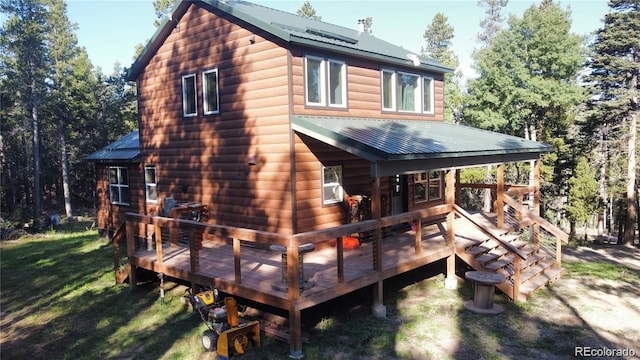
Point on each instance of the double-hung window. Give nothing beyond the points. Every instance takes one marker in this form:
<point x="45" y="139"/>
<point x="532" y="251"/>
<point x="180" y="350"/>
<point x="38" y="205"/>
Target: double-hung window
<point x="119" y="192"/>
<point x="325" y="82"/>
<point x="332" y="191"/>
<point x="151" y="185"/>
<point x="210" y="92"/>
<point x="406" y="92"/>
<point x="189" y="95"/>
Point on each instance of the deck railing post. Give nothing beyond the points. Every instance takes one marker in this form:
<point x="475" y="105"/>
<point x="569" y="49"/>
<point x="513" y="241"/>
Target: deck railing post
<point x="450" y="281"/>
<point x="158" y="232"/>
<point x="516" y="277"/>
<point x="194" y="250"/>
<point x="500" y="196"/>
<point x="418" y="225"/>
<point x="236" y="261"/>
<point x="340" y="256"/>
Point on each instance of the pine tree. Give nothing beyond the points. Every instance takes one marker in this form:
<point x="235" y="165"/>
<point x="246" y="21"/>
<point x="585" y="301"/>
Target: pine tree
<point x="308" y="11"/>
<point x="24" y="58"/>
<point x="614" y="66"/>
<point x="491" y="25"/>
<point x="438" y="37"/>
<point x="583" y="195"/>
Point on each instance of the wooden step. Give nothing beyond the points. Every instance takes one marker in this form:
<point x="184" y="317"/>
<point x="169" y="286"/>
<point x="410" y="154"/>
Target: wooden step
<point x="492" y="255"/>
<point x="551" y="274"/>
<point x="483" y="248"/>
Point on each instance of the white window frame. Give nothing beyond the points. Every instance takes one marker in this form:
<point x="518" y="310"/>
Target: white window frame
<point x="420" y="107"/>
<point x="431" y="100"/>
<point x="185" y="100"/>
<point x="205" y="92"/>
<point x="321" y="81"/>
<point x="149" y="185"/>
<point x="338" y="190"/>
<point x="343" y="80"/>
<point x="121" y="186"/>
<point x="392" y="90"/>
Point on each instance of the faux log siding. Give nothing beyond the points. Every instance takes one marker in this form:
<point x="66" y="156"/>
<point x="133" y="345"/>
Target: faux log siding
<point x="363" y="91"/>
<point x="110" y="216"/>
<point x="205" y="158"/>
<point x="311" y="155"/>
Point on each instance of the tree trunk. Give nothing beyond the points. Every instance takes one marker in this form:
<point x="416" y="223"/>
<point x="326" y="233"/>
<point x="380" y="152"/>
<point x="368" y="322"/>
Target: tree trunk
<point x="630" y="229"/>
<point x="66" y="188"/>
<point x="488" y="199"/>
<point x="37" y="207"/>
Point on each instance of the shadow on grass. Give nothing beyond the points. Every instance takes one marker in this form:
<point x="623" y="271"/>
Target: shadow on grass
<point x="59" y="301"/>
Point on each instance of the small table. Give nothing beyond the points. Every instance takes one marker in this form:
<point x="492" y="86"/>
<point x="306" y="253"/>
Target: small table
<point x="283" y="285"/>
<point x="484" y="284"/>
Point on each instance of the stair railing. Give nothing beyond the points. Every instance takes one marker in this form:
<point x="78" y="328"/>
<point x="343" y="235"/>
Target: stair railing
<point x="119" y="235"/>
<point x="526" y="218"/>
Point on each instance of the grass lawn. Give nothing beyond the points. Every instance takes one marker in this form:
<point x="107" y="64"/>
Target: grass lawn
<point x="58" y="301"/>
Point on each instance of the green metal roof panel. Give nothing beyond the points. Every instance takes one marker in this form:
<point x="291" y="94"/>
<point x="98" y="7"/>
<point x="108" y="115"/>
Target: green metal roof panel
<point x="296" y="29"/>
<point x="127" y="148"/>
<point x="385" y="139"/>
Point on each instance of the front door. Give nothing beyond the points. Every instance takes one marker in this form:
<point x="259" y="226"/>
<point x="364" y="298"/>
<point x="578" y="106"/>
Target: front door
<point x="399" y="194"/>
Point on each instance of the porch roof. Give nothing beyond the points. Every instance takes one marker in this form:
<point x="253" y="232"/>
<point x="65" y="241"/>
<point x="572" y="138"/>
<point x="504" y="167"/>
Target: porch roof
<point x="406" y="146"/>
<point x="125" y="149"/>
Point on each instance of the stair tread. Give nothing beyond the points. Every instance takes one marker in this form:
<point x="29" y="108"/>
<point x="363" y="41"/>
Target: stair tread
<point x="541" y="280"/>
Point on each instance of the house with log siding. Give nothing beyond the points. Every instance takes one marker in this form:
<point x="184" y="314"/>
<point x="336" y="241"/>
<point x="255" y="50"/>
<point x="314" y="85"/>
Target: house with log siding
<point x="262" y="133"/>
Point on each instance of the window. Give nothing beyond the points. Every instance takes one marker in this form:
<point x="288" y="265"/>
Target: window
<point x="325" y="82"/>
<point x="427" y="92"/>
<point x="189" y="95"/>
<point x="427" y="186"/>
<point x="150" y="182"/>
<point x="405" y="92"/>
<point x="332" y="185"/>
<point x="119" y="185"/>
<point x="210" y="92"/>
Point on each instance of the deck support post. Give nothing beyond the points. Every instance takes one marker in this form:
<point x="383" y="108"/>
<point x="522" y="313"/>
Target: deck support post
<point x="378" y="308"/>
<point x="450" y="281"/>
<point x="295" y="331"/>
<point x="131" y="249"/>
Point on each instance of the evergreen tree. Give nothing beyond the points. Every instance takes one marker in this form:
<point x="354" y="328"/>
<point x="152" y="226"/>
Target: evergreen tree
<point x="308" y="11"/>
<point x="24" y="60"/>
<point x="491" y="25"/>
<point x="438" y="37"/>
<point x="614" y="66"/>
<point x="163" y="9"/>
<point x="583" y="194"/>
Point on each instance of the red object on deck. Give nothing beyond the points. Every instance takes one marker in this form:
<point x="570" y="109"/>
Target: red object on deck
<point x="350" y="243"/>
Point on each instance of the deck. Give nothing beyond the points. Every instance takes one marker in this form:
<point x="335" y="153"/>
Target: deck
<point x="261" y="268"/>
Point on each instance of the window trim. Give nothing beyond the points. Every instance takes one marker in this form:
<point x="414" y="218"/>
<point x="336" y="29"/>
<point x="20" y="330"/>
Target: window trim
<point x="420" y="108"/>
<point x="343" y="79"/>
<point x="185" y="95"/>
<point x="426" y="182"/>
<point x="321" y="81"/>
<point x="339" y="183"/>
<point x="148" y="184"/>
<point x="121" y="185"/>
<point x="205" y="94"/>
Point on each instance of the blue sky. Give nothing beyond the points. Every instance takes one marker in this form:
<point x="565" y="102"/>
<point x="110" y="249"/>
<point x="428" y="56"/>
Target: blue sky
<point x="110" y="29"/>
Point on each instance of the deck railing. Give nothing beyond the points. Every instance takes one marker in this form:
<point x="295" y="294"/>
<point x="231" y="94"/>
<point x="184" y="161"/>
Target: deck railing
<point x="137" y="225"/>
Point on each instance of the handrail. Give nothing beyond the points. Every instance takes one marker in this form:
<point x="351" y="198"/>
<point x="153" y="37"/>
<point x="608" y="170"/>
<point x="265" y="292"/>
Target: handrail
<point x="537" y="219"/>
<point x="507" y="245"/>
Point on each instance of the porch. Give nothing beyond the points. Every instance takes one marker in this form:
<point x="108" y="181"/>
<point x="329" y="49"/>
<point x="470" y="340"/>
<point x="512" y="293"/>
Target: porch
<point x="238" y="261"/>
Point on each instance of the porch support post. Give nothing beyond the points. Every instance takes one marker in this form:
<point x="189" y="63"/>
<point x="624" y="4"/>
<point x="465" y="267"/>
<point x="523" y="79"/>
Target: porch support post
<point x="295" y="328"/>
<point x="450" y="281"/>
<point x="458" y="187"/>
<point x="293" y="282"/>
<point x="378" y="309"/>
<point x="535" y="233"/>
<point x="500" y="196"/>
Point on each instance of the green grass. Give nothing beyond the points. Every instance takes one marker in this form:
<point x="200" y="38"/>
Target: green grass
<point x="58" y="300"/>
<point x="600" y="270"/>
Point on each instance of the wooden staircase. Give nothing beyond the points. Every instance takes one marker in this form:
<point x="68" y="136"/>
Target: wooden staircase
<point x="484" y="247"/>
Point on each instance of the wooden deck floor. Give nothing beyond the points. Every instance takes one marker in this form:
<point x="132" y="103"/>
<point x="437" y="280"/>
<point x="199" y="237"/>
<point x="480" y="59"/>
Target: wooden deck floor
<point x="262" y="268"/>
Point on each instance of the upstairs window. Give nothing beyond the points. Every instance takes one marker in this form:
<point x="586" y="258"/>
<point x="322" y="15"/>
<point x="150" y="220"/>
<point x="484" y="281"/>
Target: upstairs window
<point x="406" y="92"/>
<point x="151" y="185"/>
<point x="119" y="192"/>
<point x="210" y="92"/>
<point x="325" y="82"/>
<point x="332" y="191"/>
<point x="189" y="95"/>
